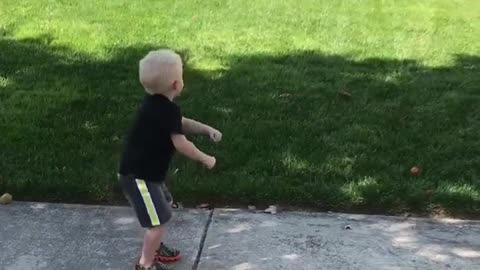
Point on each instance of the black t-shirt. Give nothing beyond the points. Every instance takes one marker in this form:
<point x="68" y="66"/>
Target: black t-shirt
<point x="149" y="148"/>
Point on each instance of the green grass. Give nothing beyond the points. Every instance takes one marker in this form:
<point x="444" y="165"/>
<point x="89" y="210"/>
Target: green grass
<point x="266" y="73"/>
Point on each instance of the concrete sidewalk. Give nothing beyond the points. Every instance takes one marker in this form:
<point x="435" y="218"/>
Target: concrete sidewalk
<point x="52" y="236"/>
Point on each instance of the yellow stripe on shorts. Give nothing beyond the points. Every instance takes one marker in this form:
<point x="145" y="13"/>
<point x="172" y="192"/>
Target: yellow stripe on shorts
<point x="147" y="199"/>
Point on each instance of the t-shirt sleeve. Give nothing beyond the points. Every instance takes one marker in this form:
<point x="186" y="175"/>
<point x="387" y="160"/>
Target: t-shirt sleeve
<point x="175" y="119"/>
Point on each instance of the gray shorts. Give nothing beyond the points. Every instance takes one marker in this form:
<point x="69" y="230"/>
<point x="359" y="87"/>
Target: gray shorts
<point x="150" y="200"/>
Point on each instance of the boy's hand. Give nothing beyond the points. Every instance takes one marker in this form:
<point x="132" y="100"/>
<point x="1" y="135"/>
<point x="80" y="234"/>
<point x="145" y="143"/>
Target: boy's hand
<point x="215" y="135"/>
<point x="188" y="149"/>
<point x="210" y="162"/>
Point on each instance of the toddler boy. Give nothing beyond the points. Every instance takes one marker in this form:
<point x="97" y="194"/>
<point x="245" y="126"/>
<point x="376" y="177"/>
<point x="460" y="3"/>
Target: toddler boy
<point x="157" y="132"/>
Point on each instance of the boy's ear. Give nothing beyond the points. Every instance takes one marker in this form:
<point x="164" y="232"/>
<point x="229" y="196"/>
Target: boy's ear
<point x="175" y="85"/>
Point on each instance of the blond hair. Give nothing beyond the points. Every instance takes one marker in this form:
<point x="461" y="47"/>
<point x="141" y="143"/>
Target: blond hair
<point x="159" y="69"/>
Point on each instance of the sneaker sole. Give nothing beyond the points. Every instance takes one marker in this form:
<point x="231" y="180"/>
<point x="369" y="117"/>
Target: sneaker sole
<point x="135" y="268"/>
<point x="168" y="259"/>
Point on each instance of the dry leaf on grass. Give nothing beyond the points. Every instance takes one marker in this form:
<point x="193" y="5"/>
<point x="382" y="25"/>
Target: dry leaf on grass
<point x="204" y="206"/>
<point x="272" y="209"/>
<point x="6" y="198"/>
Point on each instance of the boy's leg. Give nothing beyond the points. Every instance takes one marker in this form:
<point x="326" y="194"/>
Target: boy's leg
<point x="165" y="253"/>
<point x="153" y="212"/>
<point x="151" y="241"/>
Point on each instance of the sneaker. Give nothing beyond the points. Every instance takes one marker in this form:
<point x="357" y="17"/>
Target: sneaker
<point x="167" y="254"/>
<point x="156" y="266"/>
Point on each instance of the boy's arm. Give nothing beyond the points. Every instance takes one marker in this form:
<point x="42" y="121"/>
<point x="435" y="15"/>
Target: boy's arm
<point x="190" y="126"/>
<point x="187" y="148"/>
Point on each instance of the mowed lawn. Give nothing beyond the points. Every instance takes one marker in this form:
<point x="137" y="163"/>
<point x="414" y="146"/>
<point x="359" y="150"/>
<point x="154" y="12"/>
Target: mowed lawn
<point x="324" y="104"/>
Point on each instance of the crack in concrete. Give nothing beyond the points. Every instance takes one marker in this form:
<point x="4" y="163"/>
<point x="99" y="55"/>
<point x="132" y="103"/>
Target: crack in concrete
<point x="202" y="241"/>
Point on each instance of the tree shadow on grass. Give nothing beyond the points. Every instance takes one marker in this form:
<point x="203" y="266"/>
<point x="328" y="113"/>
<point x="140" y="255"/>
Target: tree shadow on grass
<point x="63" y="115"/>
<point x="325" y="131"/>
<point x="339" y="133"/>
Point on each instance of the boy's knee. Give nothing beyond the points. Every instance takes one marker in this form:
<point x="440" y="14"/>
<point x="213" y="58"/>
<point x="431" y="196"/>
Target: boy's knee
<point x="157" y="229"/>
